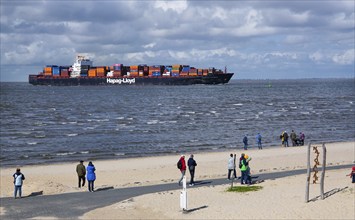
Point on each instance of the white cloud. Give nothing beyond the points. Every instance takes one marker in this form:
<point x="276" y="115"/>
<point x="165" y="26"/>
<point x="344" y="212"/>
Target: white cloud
<point x="177" y="6"/>
<point x="316" y="56"/>
<point x="344" y="58"/>
<point x="245" y="35"/>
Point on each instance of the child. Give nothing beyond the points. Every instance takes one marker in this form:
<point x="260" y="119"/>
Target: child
<point x="352" y="174"/>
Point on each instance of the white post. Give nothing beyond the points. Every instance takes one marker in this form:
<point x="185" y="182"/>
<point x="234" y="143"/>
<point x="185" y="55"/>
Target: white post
<point x="183" y="195"/>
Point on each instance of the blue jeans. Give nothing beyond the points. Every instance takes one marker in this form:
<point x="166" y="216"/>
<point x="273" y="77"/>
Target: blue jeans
<point x="19" y="190"/>
<point x="182" y="176"/>
<point x="244" y="177"/>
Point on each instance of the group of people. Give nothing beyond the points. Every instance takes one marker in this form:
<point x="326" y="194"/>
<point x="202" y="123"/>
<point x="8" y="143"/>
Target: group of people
<point x="257" y="141"/>
<point x="296" y="141"/>
<point x="191" y="164"/>
<point x="89" y="172"/>
<point x="243" y="166"/>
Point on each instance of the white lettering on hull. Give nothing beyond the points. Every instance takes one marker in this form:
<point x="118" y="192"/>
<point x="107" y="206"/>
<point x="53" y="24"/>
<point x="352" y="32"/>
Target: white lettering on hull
<point x="121" y="81"/>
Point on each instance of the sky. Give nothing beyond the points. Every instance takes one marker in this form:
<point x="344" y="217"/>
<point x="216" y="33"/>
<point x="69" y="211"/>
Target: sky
<point x="283" y="39"/>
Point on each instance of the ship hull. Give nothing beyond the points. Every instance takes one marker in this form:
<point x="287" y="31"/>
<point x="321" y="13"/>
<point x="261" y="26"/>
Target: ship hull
<point x="90" y="81"/>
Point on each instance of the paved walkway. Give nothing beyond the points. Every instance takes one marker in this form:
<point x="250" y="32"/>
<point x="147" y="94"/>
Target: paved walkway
<point x="74" y="205"/>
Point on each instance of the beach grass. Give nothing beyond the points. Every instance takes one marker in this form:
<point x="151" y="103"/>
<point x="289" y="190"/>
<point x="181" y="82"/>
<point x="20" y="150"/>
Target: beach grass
<point x="243" y="189"/>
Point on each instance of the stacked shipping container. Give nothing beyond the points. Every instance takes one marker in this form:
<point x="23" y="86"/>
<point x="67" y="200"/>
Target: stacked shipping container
<point x="118" y="70"/>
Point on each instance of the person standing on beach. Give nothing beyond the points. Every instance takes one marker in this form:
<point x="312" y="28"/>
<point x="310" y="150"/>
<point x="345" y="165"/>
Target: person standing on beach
<point x="352" y="174"/>
<point x="248" y="159"/>
<point x="182" y="167"/>
<point x="191" y="163"/>
<point x="91" y="177"/>
<point x="245" y="141"/>
<point x="81" y="171"/>
<point x="244" y="168"/>
<point x="18" y="181"/>
<point x="231" y="167"/>
<point x="302" y="138"/>
<point x="258" y="141"/>
<point x="293" y="137"/>
<point x="284" y="139"/>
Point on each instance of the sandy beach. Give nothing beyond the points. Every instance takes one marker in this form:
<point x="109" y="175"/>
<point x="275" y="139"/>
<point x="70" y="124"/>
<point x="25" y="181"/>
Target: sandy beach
<point x="278" y="199"/>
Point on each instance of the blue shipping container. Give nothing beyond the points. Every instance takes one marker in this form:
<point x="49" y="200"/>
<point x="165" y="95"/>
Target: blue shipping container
<point x="55" y="70"/>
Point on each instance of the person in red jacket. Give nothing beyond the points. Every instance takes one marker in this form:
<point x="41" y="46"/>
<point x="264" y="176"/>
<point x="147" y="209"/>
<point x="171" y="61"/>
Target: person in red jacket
<point x="182" y="168"/>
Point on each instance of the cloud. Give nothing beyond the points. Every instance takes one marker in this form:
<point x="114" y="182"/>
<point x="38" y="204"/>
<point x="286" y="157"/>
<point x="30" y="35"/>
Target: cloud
<point x="345" y="58"/>
<point x="248" y="36"/>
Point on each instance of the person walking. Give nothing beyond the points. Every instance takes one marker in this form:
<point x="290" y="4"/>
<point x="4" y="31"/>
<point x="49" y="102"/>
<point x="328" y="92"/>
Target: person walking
<point x="81" y="171"/>
<point x="258" y="141"/>
<point x="245" y="141"/>
<point x="91" y="177"/>
<point x="182" y="167"/>
<point x="293" y="137"/>
<point x="231" y="167"/>
<point x="18" y="181"/>
<point x="191" y="163"/>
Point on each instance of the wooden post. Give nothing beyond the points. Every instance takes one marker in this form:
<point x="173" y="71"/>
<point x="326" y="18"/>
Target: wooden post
<point x="233" y="172"/>
<point x="308" y="171"/>
<point x="323" y="171"/>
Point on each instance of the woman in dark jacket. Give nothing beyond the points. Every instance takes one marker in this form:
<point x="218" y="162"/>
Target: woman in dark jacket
<point x="90" y="175"/>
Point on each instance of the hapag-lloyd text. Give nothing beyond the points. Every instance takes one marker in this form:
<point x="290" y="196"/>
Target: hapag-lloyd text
<point x="121" y="81"/>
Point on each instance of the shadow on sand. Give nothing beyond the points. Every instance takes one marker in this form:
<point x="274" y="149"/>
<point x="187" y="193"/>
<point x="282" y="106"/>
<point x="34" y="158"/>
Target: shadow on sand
<point x="329" y="193"/>
<point x="195" y="209"/>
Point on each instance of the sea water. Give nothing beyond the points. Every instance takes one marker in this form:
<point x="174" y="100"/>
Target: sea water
<point x="49" y="124"/>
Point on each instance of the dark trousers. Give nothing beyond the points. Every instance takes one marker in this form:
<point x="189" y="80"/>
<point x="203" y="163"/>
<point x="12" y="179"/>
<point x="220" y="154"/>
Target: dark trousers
<point x="81" y="178"/>
<point x="234" y="173"/>
<point x="192" y="175"/>
<point x="244" y="178"/>
<point x="91" y="186"/>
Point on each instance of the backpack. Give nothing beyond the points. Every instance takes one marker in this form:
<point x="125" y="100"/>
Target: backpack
<point x="240" y="164"/>
<point x="179" y="164"/>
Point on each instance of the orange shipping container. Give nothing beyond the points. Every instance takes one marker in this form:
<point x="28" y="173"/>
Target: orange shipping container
<point x="92" y="73"/>
<point x="47" y="69"/>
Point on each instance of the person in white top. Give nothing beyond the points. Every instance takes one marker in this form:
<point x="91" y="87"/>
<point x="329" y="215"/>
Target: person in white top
<point x="231" y="167"/>
<point x="18" y="181"/>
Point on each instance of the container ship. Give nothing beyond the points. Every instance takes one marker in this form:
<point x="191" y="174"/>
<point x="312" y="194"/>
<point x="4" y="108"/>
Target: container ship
<point x="82" y="72"/>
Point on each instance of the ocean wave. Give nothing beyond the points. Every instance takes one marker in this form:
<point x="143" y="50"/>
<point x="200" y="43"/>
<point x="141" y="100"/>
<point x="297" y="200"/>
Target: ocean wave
<point x="32" y="143"/>
<point x="238" y="104"/>
<point x="151" y="122"/>
<point x="65" y="153"/>
<point x="72" y="135"/>
<point x="40" y="136"/>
